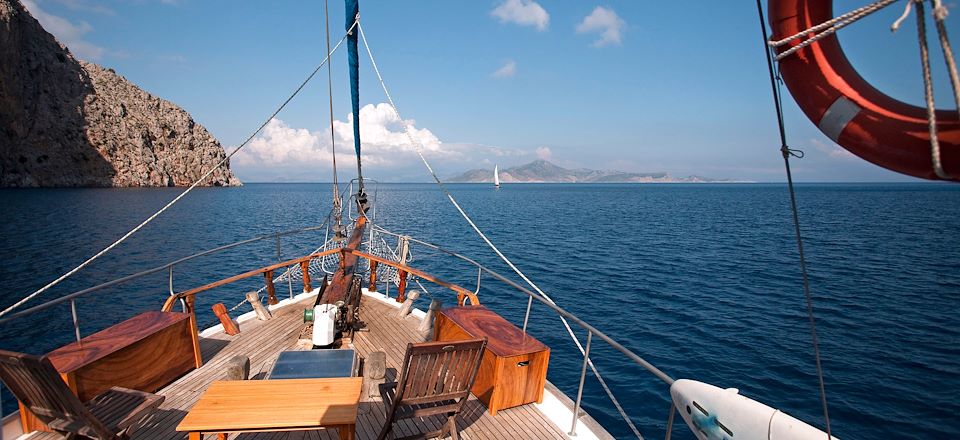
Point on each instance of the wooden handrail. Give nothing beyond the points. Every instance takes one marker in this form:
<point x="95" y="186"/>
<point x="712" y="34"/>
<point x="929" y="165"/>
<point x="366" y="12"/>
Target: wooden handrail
<point x="462" y="293"/>
<point x="168" y="305"/>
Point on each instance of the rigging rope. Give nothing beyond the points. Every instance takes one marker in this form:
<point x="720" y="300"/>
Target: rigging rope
<point x="786" y="152"/>
<point x="833" y="24"/>
<point x="906" y="13"/>
<point x="855" y="14"/>
<point x="940" y="16"/>
<point x="176" y="199"/>
<point x="418" y="147"/>
<point x="928" y="92"/>
<point x="337" y="207"/>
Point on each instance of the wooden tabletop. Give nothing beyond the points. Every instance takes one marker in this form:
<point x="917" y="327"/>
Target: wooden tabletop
<point x="503" y="338"/>
<point x="274" y="405"/>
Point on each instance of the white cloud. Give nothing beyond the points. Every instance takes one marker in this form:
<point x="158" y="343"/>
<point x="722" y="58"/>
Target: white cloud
<point x="544" y="153"/>
<point x="279" y="143"/>
<point x="832" y="150"/>
<point x="509" y="69"/>
<point x="607" y="23"/>
<point x="68" y="33"/>
<point x="522" y="12"/>
<point x="382" y="134"/>
<point x="282" y="151"/>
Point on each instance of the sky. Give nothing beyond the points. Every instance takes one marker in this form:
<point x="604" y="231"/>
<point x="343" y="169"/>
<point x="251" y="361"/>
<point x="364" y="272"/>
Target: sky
<point x="634" y="86"/>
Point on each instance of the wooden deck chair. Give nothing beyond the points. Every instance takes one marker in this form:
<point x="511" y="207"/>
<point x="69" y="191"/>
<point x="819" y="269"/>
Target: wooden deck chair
<point x="435" y="378"/>
<point x="111" y="415"/>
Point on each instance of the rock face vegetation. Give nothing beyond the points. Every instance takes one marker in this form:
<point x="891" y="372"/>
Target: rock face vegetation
<point x="68" y="123"/>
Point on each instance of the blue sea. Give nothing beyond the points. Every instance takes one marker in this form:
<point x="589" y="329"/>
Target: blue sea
<point x="702" y="280"/>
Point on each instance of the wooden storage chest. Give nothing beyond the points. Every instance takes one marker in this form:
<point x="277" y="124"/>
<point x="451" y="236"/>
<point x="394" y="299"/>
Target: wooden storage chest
<point x="145" y="352"/>
<point x="513" y="371"/>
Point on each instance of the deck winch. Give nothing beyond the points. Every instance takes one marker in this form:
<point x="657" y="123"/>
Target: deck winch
<point x="328" y="320"/>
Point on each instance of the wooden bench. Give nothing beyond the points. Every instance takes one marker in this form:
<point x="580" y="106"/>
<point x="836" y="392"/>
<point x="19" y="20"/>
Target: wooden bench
<point x="514" y="367"/>
<point x="143" y="353"/>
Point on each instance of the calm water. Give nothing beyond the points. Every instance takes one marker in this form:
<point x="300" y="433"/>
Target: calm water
<point x="702" y="280"/>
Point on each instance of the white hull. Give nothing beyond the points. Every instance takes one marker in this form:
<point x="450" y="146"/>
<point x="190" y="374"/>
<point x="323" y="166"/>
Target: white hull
<point x="714" y="413"/>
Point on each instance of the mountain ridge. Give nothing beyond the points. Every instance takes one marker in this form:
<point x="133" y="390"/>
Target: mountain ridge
<point x="544" y="171"/>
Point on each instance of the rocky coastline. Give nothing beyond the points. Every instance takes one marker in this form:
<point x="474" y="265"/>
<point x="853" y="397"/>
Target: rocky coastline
<point x="69" y="123"/>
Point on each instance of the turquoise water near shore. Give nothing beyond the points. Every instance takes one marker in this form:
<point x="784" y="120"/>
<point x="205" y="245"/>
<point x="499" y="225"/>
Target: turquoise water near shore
<point x="702" y="280"/>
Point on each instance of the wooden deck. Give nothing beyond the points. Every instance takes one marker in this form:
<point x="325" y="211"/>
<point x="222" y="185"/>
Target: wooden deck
<point x="262" y="341"/>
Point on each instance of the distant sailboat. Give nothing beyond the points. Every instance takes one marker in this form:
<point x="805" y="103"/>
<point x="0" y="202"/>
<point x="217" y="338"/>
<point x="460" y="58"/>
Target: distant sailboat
<point x="496" y="177"/>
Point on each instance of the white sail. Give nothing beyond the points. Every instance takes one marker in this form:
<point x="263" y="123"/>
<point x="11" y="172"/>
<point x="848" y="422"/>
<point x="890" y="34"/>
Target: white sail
<point x="496" y="176"/>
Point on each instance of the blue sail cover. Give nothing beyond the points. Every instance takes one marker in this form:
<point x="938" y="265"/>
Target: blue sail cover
<point x="352" y="9"/>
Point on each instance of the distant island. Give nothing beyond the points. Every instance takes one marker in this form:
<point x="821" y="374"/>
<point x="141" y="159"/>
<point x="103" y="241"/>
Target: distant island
<point x="542" y="171"/>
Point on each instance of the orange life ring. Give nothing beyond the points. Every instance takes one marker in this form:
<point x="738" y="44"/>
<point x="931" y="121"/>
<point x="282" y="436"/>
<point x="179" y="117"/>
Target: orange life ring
<point x="849" y="110"/>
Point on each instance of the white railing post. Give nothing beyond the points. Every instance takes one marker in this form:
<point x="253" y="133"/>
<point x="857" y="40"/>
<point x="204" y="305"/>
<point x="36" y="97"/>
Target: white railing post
<point x="76" y="322"/>
<point x="673" y="409"/>
<point x="526" y="317"/>
<point x="583" y="376"/>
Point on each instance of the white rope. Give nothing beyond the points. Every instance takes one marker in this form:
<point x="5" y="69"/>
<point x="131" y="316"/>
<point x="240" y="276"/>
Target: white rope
<point x="176" y="199"/>
<point x="928" y="94"/>
<point x="940" y="15"/>
<point x="833" y="26"/>
<point x="906" y="13"/>
<point x="419" y="149"/>
<point x="869" y="9"/>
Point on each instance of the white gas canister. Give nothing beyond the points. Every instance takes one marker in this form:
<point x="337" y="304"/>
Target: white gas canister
<point x="324" y="319"/>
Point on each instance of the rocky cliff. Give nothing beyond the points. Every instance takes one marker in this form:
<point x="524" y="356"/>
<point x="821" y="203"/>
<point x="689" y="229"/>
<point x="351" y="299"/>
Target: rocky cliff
<point x="65" y="122"/>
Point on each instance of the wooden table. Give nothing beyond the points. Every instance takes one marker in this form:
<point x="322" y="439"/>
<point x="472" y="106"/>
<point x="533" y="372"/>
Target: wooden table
<point x="276" y="405"/>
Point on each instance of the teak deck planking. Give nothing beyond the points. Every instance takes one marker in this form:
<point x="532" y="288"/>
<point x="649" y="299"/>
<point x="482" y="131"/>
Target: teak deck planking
<point x="262" y="341"/>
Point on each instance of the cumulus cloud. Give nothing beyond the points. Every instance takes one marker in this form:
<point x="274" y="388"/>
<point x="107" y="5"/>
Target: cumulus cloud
<point x="382" y="133"/>
<point x="281" y="151"/>
<point x="544" y="153"/>
<point x="507" y="70"/>
<point x="522" y="12"/>
<point x="832" y="150"/>
<point x="69" y="33"/>
<point x="279" y="143"/>
<point x="607" y="23"/>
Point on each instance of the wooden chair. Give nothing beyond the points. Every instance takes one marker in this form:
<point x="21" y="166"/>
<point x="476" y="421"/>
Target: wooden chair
<point x="435" y="378"/>
<point x="110" y="415"/>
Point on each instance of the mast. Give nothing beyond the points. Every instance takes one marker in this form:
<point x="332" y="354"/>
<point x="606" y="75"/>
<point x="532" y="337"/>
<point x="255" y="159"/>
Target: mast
<point x="344" y="285"/>
<point x="352" y="15"/>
